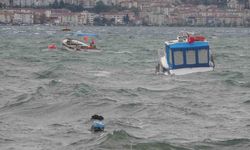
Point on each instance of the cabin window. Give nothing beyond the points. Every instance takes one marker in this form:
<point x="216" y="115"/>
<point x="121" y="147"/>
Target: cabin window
<point x="178" y="57"/>
<point x="203" y="56"/>
<point x="190" y="57"/>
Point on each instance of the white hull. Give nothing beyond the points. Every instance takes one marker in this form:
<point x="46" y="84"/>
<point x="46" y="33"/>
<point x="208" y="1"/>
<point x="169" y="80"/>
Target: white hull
<point x="182" y="71"/>
<point x="77" y="46"/>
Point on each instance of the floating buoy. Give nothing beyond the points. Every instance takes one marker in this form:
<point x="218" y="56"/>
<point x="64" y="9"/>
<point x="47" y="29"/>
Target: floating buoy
<point x="52" y="46"/>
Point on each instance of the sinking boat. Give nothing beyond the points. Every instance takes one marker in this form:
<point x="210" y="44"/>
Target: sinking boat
<point x="189" y="53"/>
<point x="76" y="45"/>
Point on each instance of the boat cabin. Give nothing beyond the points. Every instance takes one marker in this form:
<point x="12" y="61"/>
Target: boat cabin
<point x="187" y="55"/>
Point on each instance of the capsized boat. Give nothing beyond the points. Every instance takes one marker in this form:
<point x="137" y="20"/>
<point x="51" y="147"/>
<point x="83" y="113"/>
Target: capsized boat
<point x="189" y="53"/>
<point x="76" y="45"/>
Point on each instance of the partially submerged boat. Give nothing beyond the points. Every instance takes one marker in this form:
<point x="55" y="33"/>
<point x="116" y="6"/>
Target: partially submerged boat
<point x="81" y="42"/>
<point x="76" y="45"/>
<point x="189" y="53"/>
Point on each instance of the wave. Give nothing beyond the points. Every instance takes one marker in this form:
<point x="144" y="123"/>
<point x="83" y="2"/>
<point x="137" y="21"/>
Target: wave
<point x="19" y="100"/>
<point x="234" y="78"/>
<point x="225" y="56"/>
<point x="245" y="84"/>
<point x="122" y="140"/>
<point x="123" y="52"/>
<point x="148" y="91"/>
<point x="25" y="99"/>
<point x="157" y="146"/>
<point x="49" y="73"/>
<point x="230" y="74"/>
<point x="126" y="92"/>
<point x="132" y="108"/>
<point x="100" y="73"/>
<point x="237" y="83"/>
<point x="142" y="89"/>
<point x="30" y="59"/>
<point x="117" y="140"/>
<point x="108" y="100"/>
<point x="232" y="144"/>
<point x="82" y="89"/>
<point x="53" y="83"/>
<point x="6" y="140"/>
<point x="247" y="102"/>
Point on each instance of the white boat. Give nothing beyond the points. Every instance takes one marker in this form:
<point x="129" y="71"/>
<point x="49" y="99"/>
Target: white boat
<point x="76" y="45"/>
<point x="187" y="54"/>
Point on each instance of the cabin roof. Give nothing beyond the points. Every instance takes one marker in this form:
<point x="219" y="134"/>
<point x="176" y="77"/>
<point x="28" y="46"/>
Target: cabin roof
<point x="180" y="45"/>
<point x="86" y="34"/>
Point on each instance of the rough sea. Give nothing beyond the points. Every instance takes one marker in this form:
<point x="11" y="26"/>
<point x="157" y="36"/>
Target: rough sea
<point x="47" y="97"/>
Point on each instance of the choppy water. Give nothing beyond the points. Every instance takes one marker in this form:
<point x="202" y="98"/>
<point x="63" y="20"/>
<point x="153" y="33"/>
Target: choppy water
<point x="48" y="97"/>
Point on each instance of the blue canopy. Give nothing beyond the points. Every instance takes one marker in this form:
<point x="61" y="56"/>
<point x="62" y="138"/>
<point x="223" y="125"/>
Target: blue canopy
<point x="197" y="44"/>
<point x="85" y="34"/>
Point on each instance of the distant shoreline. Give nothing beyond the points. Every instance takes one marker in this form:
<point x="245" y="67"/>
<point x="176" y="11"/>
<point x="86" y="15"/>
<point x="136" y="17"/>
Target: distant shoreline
<point x="14" y="25"/>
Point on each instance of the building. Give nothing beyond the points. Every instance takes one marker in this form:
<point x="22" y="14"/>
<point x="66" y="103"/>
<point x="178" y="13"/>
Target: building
<point x="118" y="16"/>
<point x="23" y="18"/>
<point x="6" y="17"/>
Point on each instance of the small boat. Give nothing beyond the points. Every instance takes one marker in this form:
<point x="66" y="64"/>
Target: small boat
<point x="189" y="53"/>
<point x="66" y="29"/>
<point x="76" y="45"/>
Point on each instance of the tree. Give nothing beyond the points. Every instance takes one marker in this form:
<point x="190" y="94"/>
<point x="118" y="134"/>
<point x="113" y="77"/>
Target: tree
<point x="55" y="4"/>
<point x="245" y="3"/>
<point x="100" y="7"/>
<point x="126" y="19"/>
<point x="61" y="4"/>
<point x="112" y="21"/>
<point x="222" y="3"/>
<point x="135" y="10"/>
<point x="43" y="19"/>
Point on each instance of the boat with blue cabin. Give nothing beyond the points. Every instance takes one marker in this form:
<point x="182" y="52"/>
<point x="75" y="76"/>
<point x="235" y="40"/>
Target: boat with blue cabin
<point x="189" y="53"/>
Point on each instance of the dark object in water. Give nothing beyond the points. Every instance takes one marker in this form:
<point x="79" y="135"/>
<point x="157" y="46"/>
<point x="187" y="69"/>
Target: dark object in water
<point x="97" y="117"/>
<point x="66" y="29"/>
<point x="97" y="124"/>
